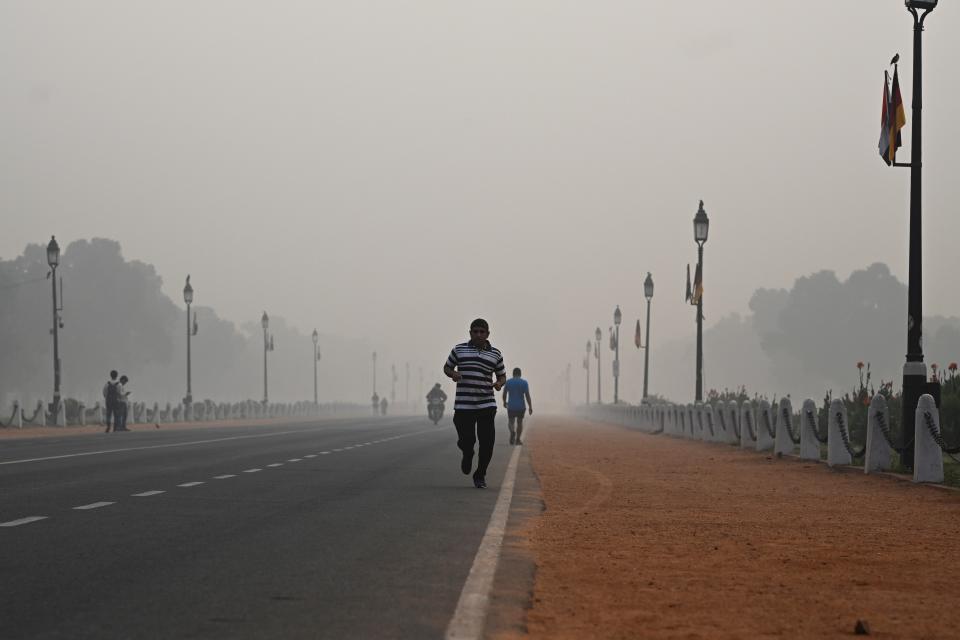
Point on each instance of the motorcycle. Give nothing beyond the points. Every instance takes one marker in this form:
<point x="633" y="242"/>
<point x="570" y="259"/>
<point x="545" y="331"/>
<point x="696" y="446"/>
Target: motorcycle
<point x="435" y="410"/>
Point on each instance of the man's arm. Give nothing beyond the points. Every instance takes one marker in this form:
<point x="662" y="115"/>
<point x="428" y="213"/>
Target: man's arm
<point x="451" y="373"/>
<point x="501" y="380"/>
<point x="526" y="392"/>
<point x="504" y="396"/>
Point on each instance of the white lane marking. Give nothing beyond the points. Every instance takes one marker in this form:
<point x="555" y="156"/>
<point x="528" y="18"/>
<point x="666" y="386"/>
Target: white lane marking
<point x="275" y="464"/>
<point x="334" y="450"/>
<point x="310" y="455"/>
<point x="157" y="446"/>
<point x="189" y="484"/>
<point x="251" y="470"/>
<point x="471" y="614"/>
<point x="323" y="453"/>
<point x="17" y="523"/>
<point x="294" y="460"/>
<point x="146" y="494"/>
<point x="94" y="505"/>
<point x="225" y="476"/>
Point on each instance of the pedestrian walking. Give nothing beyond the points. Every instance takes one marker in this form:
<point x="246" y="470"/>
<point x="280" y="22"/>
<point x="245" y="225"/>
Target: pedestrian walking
<point x="516" y="400"/>
<point x="376" y="403"/>
<point x="111" y="402"/>
<point x="383" y="406"/>
<point x="123" y="405"/>
<point x="477" y="368"/>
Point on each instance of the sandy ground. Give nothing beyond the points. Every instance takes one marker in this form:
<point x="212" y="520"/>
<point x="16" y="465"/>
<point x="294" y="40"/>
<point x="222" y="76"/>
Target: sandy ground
<point x="652" y="537"/>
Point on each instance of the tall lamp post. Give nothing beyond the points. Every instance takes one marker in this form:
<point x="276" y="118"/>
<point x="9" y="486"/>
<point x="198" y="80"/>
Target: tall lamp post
<point x="617" y="317"/>
<point x="914" y="369"/>
<point x="267" y="346"/>
<point x="701" y="225"/>
<point x="586" y="367"/>
<point x="53" y="260"/>
<point x="316" y="356"/>
<point x="596" y="351"/>
<point x="648" y="294"/>
<point x="188" y="399"/>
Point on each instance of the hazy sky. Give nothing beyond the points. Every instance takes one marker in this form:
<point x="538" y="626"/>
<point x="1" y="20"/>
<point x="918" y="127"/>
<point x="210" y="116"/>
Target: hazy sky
<point x="386" y="171"/>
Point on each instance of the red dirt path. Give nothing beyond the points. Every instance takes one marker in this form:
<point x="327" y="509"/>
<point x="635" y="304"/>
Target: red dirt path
<point x="653" y="537"/>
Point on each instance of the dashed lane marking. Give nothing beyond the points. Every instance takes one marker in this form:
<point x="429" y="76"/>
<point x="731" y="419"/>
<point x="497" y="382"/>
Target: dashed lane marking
<point x="93" y="505"/>
<point x="189" y="484"/>
<point x="147" y="494"/>
<point x="225" y="476"/>
<point x="294" y="460"/>
<point x="251" y="470"/>
<point x="17" y="523"/>
<point x="275" y="464"/>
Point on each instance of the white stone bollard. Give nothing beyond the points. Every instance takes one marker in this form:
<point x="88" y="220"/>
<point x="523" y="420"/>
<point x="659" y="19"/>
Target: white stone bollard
<point x="764" y="439"/>
<point x="62" y="414"/>
<point x="692" y="421"/>
<point x="809" y="445"/>
<point x="783" y="443"/>
<point x="836" y="451"/>
<point x="710" y="421"/>
<point x="877" y="457"/>
<point x="748" y="424"/>
<point x="18" y="414"/>
<point x="927" y="455"/>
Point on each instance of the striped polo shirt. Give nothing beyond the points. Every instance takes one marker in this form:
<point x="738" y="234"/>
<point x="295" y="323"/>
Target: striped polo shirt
<point x="478" y="367"/>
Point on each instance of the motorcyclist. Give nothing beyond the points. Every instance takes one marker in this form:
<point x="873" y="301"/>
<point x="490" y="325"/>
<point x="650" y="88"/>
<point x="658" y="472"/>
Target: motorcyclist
<point x="435" y="399"/>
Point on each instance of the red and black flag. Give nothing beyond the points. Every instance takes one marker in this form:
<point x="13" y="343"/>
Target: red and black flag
<point x="896" y="116"/>
<point x="884" y="145"/>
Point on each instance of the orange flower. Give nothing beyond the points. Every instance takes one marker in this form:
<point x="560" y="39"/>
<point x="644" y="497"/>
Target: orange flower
<point x="860" y="365"/>
<point x="953" y="366"/>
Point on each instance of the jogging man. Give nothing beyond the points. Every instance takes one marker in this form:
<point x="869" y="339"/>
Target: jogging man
<point x="472" y="365"/>
<point x="515" y="392"/>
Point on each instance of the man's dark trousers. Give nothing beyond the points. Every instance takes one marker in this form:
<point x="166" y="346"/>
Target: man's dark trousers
<point x="476" y="426"/>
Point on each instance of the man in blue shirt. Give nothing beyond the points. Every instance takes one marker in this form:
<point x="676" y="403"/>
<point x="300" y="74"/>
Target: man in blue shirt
<point x="516" y="399"/>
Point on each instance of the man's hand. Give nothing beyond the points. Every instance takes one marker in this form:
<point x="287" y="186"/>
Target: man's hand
<point x="455" y="376"/>
<point x="530" y="410"/>
<point x="498" y="384"/>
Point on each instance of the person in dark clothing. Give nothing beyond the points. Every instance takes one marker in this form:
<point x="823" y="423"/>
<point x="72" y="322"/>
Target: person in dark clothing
<point x="473" y="366"/>
<point x="111" y="402"/>
<point x="124" y="405"/>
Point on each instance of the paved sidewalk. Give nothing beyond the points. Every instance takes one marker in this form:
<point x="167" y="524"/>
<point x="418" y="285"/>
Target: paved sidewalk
<point x="653" y="537"/>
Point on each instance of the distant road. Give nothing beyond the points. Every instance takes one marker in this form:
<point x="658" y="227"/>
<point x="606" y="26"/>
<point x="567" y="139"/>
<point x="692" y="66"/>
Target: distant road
<point x="336" y="529"/>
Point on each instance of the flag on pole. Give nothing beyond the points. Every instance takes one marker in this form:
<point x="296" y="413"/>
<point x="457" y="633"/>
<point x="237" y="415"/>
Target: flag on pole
<point x="697" y="287"/>
<point x="896" y="115"/>
<point x="689" y="290"/>
<point x="884" y="145"/>
<point x="636" y="337"/>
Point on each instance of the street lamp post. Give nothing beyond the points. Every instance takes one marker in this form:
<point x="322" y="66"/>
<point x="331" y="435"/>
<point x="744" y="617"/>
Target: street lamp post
<point x="267" y="346"/>
<point x="316" y="356"/>
<point x="617" y="317"/>
<point x="648" y="294"/>
<point x="586" y="366"/>
<point x="53" y="260"/>
<point x="188" y="399"/>
<point x="701" y="225"/>
<point x="914" y="369"/>
<point x="374" y="373"/>
<point x="596" y="351"/>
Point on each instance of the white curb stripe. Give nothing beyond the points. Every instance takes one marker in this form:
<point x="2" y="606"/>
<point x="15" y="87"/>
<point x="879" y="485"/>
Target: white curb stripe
<point x="471" y="613"/>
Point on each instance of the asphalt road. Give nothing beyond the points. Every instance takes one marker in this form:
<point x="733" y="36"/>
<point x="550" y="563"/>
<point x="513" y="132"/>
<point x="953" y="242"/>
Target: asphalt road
<point x="350" y="528"/>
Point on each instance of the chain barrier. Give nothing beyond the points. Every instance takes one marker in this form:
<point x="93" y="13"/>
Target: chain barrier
<point x="13" y="415"/>
<point x="33" y="419"/>
<point x="812" y="422"/>
<point x="938" y="437"/>
<point x="788" y="423"/>
<point x="766" y="423"/>
<point x="749" y="419"/>
<point x="885" y="430"/>
<point x="845" y="436"/>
